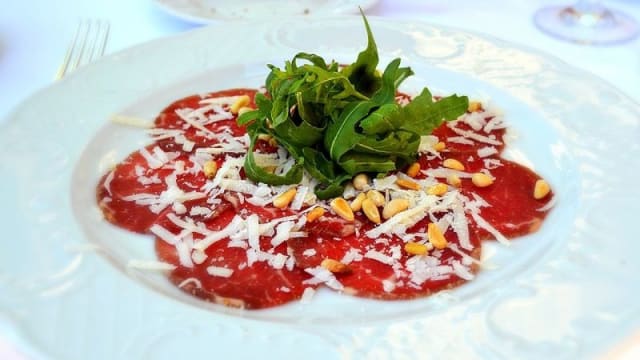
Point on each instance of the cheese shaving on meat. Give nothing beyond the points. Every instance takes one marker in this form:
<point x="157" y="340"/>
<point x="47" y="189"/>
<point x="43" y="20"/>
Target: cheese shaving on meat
<point x="107" y="182"/>
<point x="190" y="280"/>
<point x="487" y="151"/>
<point x="323" y="276"/>
<point x="474" y="136"/>
<point x="151" y="265"/>
<point x="378" y="256"/>
<point x="307" y="295"/>
<point x="219" y="271"/>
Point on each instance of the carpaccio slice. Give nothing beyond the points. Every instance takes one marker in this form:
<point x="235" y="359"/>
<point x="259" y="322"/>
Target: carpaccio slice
<point x="163" y="190"/>
<point x="507" y="205"/>
<point x="201" y="119"/>
<point x="140" y="188"/>
<point x="477" y="131"/>
<point x="381" y="268"/>
<point x="233" y="270"/>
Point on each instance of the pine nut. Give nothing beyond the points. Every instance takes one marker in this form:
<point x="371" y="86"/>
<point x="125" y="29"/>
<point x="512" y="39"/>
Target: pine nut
<point x="371" y="211"/>
<point x="541" y="189"/>
<point x="454" y="180"/>
<point x="283" y="200"/>
<point x="439" y="146"/>
<point x="270" y="169"/>
<point x="210" y="169"/>
<point x="335" y="266"/>
<point x="356" y="204"/>
<point x="438" y="189"/>
<point x="414" y="169"/>
<point x="377" y="197"/>
<point x="264" y="137"/>
<point x="342" y="208"/>
<point x="415" y="248"/>
<point x="474" y="106"/>
<point x="436" y="238"/>
<point x="453" y="164"/>
<point x="408" y="184"/>
<point x="481" y="179"/>
<point x="360" y="181"/>
<point x="315" y="214"/>
<point x="394" y="206"/>
<point x="244" y="109"/>
<point x="241" y="102"/>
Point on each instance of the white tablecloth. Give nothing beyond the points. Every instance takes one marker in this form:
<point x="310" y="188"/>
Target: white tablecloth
<point x="34" y="35"/>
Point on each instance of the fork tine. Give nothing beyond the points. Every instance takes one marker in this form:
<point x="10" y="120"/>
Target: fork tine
<point x="105" y="38"/>
<point x="89" y="43"/>
<point x="62" y="70"/>
<point x="83" y="44"/>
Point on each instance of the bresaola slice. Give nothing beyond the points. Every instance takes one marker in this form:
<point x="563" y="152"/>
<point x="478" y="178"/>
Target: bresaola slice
<point x="202" y="118"/>
<point x="476" y="130"/>
<point x="140" y="188"/>
<point x="232" y="270"/>
<point x="381" y="268"/>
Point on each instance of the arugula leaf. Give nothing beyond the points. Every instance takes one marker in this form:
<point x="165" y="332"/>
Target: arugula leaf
<point x="362" y="73"/>
<point x="258" y="174"/>
<point x="336" y="123"/>
<point x="422" y="115"/>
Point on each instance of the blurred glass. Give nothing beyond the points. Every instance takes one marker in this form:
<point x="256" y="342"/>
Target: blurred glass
<point x="587" y="22"/>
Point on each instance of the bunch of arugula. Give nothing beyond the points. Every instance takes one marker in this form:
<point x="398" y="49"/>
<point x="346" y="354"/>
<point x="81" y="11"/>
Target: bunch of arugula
<point x="337" y="122"/>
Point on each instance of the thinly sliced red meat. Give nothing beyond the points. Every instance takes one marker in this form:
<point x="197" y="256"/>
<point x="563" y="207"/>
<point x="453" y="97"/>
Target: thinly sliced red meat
<point x="169" y="119"/>
<point x="372" y="278"/>
<point x="135" y="176"/>
<point x="254" y="286"/>
<point x="445" y="133"/>
<point x="512" y="210"/>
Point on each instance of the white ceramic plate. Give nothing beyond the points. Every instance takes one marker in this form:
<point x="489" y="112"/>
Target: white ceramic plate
<point x="206" y="11"/>
<point x="568" y="291"/>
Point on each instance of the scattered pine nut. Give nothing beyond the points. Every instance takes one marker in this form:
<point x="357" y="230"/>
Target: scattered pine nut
<point x="360" y="181"/>
<point x="415" y="248"/>
<point x="481" y="179"/>
<point x="283" y="200"/>
<point x="335" y="266"/>
<point x="408" y="184"/>
<point x="210" y="169"/>
<point x="315" y="214"/>
<point x="371" y="211"/>
<point x="454" y="180"/>
<point x="438" y="189"/>
<point x="436" y="238"/>
<point x="414" y="169"/>
<point x="453" y="164"/>
<point x="244" y="109"/>
<point x="541" y="189"/>
<point x="342" y="208"/>
<point x="439" y="146"/>
<point x="394" y="206"/>
<point x="241" y="102"/>
<point x="356" y="204"/>
<point x="377" y="197"/>
<point x="474" y="106"/>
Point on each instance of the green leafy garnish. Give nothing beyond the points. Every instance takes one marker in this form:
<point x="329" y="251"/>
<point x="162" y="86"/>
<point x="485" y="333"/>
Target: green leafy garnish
<point x="336" y="122"/>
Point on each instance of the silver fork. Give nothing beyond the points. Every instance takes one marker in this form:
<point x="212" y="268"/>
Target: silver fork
<point x="88" y="44"/>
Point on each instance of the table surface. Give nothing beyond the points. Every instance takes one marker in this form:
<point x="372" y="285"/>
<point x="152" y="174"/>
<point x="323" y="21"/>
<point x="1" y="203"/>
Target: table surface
<point x="34" y="35"/>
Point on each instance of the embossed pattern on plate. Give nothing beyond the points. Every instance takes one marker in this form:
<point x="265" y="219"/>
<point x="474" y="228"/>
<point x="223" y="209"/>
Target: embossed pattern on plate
<point x="567" y="291"/>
